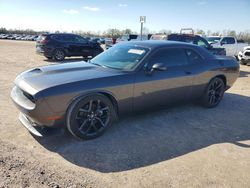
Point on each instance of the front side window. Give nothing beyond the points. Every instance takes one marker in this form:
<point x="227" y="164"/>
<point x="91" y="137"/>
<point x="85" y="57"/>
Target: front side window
<point x="170" y="57"/>
<point x="228" y="40"/>
<point x="79" y="39"/>
<point x="123" y="57"/>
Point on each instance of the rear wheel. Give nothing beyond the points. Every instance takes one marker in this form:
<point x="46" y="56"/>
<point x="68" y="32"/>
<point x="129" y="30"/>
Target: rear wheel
<point x="59" y="55"/>
<point x="214" y="93"/>
<point x="89" y="117"/>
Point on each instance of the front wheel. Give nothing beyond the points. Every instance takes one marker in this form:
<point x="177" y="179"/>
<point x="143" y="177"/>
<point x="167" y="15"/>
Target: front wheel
<point x="89" y="117"/>
<point x="213" y="93"/>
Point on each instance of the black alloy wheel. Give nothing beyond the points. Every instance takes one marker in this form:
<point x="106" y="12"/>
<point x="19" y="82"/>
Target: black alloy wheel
<point x="89" y="117"/>
<point x="214" y="93"/>
<point x="59" y="54"/>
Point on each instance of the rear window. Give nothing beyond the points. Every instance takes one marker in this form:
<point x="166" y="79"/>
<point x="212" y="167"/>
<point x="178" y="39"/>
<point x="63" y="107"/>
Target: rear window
<point x="158" y="37"/>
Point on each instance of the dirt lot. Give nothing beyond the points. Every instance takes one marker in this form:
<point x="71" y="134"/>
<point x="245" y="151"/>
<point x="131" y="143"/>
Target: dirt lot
<point x="185" y="146"/>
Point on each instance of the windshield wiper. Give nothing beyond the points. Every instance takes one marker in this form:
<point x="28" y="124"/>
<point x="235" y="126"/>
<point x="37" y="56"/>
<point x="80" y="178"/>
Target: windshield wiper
<point x="89" y="61"/>
<point x="104" y="66"/>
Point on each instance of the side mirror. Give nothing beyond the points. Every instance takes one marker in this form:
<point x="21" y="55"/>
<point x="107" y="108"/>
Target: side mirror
<point x="157" y="67"/>
<point x="209" y="46"/>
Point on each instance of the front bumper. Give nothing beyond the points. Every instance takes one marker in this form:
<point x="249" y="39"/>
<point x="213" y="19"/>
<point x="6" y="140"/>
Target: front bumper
<point x="28" y="124"/>
<point x="36" y="114"/>
<point x="244" y="55"/>
<point x="44" y="51"/>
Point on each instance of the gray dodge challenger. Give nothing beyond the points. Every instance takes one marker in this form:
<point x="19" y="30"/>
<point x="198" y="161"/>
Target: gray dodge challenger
<point x="86" y="97"/>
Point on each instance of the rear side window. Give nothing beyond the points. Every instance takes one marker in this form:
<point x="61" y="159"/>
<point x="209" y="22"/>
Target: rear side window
<point x="193" y="57"/>
<point x="80" y="39"/>
<point x="57" y="37"/>
<point x="170" y="57"/>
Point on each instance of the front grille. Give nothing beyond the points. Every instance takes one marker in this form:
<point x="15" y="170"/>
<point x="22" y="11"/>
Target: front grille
<point x="28" y="96"/>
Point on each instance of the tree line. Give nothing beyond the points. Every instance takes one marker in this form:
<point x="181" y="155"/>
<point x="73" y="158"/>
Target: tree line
<point x="116" y="33"/>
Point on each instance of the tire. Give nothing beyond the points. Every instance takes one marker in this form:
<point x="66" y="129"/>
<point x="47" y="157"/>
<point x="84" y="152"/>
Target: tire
<point x="213" y="93"/>
<point x="243" y="62"/>
<point x="49" y="58"/>
<point x="90" y="116"/>
<point x="59" y="55"/>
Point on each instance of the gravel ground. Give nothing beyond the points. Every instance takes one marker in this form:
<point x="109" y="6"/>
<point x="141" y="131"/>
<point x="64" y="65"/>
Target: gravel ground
<point x="183" y="146"/>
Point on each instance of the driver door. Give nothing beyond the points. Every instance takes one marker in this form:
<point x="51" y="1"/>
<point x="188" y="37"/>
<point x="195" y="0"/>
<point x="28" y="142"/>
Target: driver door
<point x="163" y="87"/>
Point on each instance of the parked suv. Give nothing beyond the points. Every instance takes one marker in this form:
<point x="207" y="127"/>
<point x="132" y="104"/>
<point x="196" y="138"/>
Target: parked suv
<point x="198" y="40"/>
<point x="58" y="46"/>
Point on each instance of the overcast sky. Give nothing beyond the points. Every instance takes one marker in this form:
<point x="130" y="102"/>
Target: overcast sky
<point x="99" y="15"/>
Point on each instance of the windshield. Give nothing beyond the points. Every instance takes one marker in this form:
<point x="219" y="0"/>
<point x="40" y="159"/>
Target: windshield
<point x="213" y="39"/>
<point x="121" y="57"/>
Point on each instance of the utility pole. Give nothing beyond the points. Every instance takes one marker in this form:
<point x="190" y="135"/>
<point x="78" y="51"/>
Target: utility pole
<point x="142" y="20"/>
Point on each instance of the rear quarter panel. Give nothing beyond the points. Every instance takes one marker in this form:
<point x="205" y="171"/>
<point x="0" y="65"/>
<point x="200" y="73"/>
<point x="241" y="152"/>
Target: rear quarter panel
<point x="212" y="68"/>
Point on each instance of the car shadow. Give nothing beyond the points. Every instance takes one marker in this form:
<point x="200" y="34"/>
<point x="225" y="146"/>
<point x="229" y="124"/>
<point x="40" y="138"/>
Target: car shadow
<point x="244" y="74"/>
<point x="150" y="138"/>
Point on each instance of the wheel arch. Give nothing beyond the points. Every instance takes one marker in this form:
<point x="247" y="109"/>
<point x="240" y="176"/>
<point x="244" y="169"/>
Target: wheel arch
<point x="107" y="94"/>
<point x="60" y="48"/>
<point x="223" y="77"/>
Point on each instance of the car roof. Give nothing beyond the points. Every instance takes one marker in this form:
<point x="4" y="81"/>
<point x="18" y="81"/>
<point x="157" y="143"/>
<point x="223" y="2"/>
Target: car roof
<point x="156" y="44"/>
<point x="49" y="34"/>
<point x="159" y="43"/>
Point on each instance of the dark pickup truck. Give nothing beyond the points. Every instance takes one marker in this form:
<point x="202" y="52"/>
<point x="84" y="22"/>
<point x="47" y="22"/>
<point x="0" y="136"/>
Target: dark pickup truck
<point x="198" y="40"/>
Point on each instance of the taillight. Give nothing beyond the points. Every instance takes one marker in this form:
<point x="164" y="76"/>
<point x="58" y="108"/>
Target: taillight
<point x="45" y="41"/>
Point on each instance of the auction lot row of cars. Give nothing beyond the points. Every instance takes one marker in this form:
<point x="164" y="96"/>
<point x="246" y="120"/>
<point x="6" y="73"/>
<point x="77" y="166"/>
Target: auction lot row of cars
<point x="19" y="37"/>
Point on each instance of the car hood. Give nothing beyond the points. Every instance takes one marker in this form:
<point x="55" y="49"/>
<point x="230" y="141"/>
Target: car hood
<point x="38" y="79"/>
